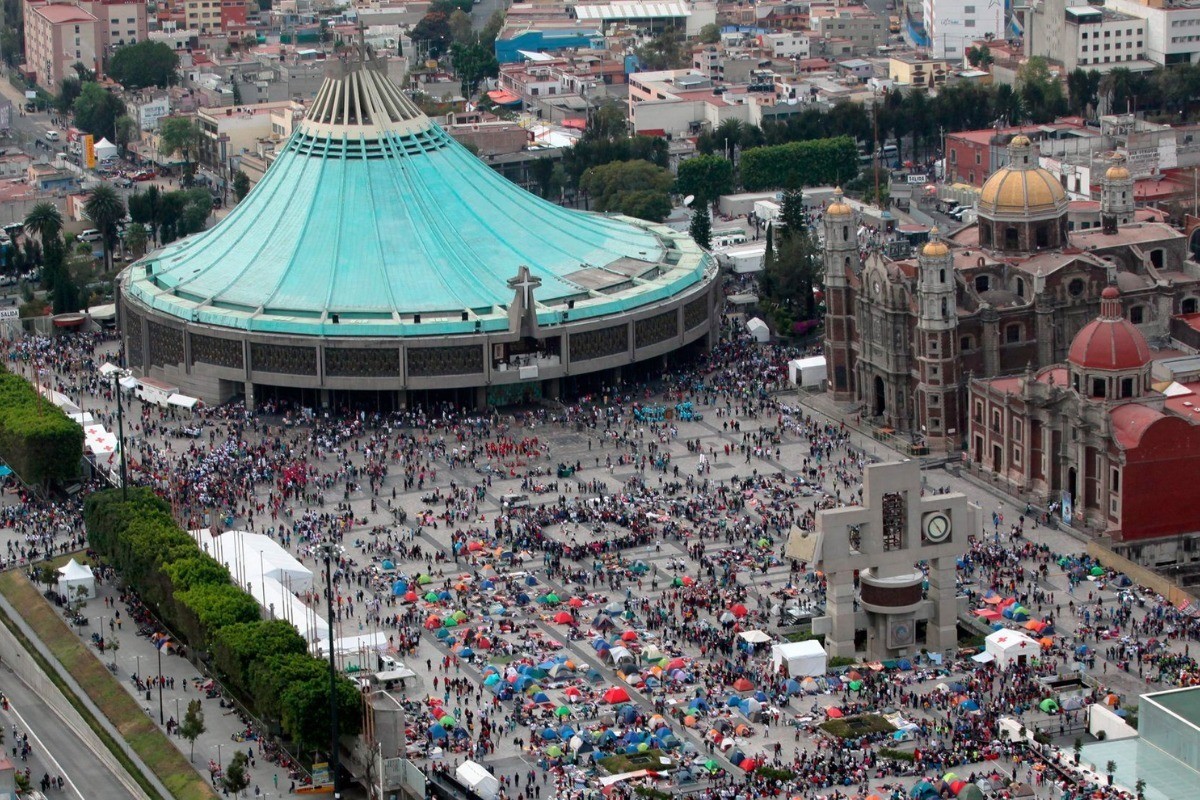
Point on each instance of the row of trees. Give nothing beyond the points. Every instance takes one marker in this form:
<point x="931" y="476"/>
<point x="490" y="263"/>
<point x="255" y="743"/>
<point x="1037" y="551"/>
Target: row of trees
<point x="36" y="439"/>
<point x="792" y="268"/>
<point x="167" y="216"/>
<point x="264" y="662"/>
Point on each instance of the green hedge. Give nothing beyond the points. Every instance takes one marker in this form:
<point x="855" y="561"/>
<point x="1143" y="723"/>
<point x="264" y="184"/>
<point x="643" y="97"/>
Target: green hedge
<point x="265" y="663"/>
<point x="36" y="438"/>
<point x="817" y="162"/>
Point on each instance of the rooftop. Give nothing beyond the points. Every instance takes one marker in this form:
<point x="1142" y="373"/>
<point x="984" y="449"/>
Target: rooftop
<point x="59" y="14"/>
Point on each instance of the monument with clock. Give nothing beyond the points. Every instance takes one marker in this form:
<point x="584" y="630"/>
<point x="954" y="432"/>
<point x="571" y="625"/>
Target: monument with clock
<point x="890" y="566"/>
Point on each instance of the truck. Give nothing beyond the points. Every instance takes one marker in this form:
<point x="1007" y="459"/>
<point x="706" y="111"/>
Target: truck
<point x="475" y="777"/>
<point x="151" y="391"/>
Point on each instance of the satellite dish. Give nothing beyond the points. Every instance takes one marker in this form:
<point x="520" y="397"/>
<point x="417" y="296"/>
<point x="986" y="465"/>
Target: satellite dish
<point x="687" y="201"/>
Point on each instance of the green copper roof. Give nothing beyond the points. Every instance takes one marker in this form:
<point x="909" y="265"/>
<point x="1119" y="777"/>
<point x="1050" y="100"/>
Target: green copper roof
<point x="374" y="214"/>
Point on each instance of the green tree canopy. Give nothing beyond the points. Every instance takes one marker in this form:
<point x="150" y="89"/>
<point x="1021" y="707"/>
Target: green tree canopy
<point x="179" y="135"/>
<point x="434" y="32"/>
<point x="241" y="185"/>
<point x="96" y="111"/>
<point x="105" y="209"/>
<point x="191" y="727"/>
<point x="710" y="33"/>
<point x="705" y="177"/>
<point x="820" y="162"/>
<point x="637" y="188"/>
<point x="146" y="63"/>
<point x="700" y="228"/>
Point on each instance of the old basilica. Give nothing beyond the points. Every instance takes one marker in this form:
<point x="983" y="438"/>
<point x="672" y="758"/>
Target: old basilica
<point x="1003" y="296"/>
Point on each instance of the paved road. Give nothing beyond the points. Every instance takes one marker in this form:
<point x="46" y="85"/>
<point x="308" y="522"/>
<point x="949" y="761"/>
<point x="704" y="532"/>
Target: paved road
<point x="483" y="11"/>
<point x="56" y="749"/>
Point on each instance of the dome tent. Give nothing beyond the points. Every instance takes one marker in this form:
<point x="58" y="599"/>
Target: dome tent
<point x="74" y="576"/>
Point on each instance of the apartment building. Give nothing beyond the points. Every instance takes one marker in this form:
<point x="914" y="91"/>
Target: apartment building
<point x="214" y="16"/>
<point x="863" y="30"/>
<point x="1075" y="35"/>
<point x="1172" y="28"/>
<point x="120" y="22"/>
<point x="952" y="25"/>
<point x="57" y="36"/>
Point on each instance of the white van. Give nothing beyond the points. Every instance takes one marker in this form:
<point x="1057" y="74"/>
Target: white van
<point x="90" y="235"/>
<point x="52" y="136"/>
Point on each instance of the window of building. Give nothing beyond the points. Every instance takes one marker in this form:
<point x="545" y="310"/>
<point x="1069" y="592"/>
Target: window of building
<point x="1016" y="429"/>
<point x="1012" y="334"/>
<point x="1075" y="287"/>
<point x="969" y="10"/>
<point x="996" y="420"/>
<point x="1137" y="314"/>
<point x="1020" y="287"/>
<point x="1016" y="456"/>
<point x="964" y="343"/>
<point x="979" y="411"/>
<point x="1114" y="481"/>
<point x="1098" y="387"/>
<point x="1189" y="306"/>
<point x="982" y="283"/>
<point x="1126" y="387"/>
<point x="935" y="400"/>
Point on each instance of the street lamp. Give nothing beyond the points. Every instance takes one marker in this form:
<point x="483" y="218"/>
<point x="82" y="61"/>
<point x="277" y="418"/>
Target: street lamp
<point x="162" y="720"/>
<point x="330" y="550"/>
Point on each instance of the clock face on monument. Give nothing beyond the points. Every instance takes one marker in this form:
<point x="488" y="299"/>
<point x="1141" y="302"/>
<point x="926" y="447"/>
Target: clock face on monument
<point x="935" y="527"/>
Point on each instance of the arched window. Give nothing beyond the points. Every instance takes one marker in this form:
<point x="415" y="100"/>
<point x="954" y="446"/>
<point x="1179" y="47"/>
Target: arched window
<point x="945" y="308"/>
<point x="1020" y="287"/>
<point x="983" y="283"/>
<point x="845" y="233"/>
<point x="941" y="276"/>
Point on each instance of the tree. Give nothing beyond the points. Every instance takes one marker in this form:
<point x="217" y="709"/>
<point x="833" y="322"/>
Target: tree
<point x="179" y="135"/>
<point x="460" y="27"/>
<point x="706" y="177"/>
<point x="127" y="131"/>
<point x="1140" y="788"/>
<point x="235" y="778"/>
<point x="1078" y="748"/>
<point x="241" y="185"/>
<point x="710" y="33"/>
<point x="68" y="90"/>
<point x="700" y="228"/>
<point x="96" y="111"/>
<point x="1109" y="768"/>
<point x="637" y="188"/>
<point x="664" y="51"/>
<point x="146" y="208"/>
<point x="45" y="222"/>
<point x="1083" y="87"/>
<point x="980" y="57"/>
<point x="1040" y="90"/>
<point x="792" y="215"/>
<point x="792" y="269"/>
<point x="434" y="32"/>
<point x="105" y="209"/>
<point x="473" y="62"/>
<point x="192" y="725"/>
<point x="147" y="63"/>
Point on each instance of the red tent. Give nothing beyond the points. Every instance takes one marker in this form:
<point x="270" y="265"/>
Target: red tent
<point x="834" y="713"/>
<point x="743" y="685"/>
<point x="616" y="695"/>
<point x="563" y="618"/>
<point x="738" y="610"/>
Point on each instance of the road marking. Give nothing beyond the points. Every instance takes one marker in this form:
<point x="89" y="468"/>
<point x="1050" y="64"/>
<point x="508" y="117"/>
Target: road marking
<point x="53" y="761"/>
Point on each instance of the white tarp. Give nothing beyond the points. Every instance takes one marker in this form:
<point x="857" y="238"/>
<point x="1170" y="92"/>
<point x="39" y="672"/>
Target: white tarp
<point x="108" y="368"/>
<point x="104" y="311"/>
<point x="806" y="372"/>
<point x="129" y="383"/>
<point x="800" y="659"/>
<point x="759" y="330"/>
<point x="251" y="557"/>
<point x="183" y="401"/>
<point x="84" y="418"/>
<point x="755" y="637"/>
<point x="1008" y="647"/>
<point x="476" y="778"/>
<point x="104" y="150"/>
<point x="74" y="576"/>
<point x="744" y="258"/>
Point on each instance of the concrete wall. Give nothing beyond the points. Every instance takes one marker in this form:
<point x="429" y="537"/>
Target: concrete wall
<point x="1101" y="719"/>
<point x="1140" y="575"/>
<point x="24" y="667"/>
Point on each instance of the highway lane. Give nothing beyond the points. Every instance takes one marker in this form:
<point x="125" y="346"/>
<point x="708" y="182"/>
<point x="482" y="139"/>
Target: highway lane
<point x="56" y="749"/>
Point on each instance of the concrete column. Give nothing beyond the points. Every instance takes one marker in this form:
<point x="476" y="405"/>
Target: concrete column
<point x="840" y="601"/>
<point x="552" y="388"/>
<point x="480" y="397"/>
<point x="1044" y="323"/>
<point x="324" y="398"/>
<point x="249" y="395"/>
<point x="991" y="344"/>
<point x="941" y="631"/>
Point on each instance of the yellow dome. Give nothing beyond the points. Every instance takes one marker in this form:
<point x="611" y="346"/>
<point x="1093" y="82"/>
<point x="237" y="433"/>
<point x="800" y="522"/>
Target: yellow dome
<point x="1117" y="172"/>
<point x="1020" y="140"/>
<point x="838" y="207"/>
<point x="935" y="248"/>
<point x="1023" y="192"/>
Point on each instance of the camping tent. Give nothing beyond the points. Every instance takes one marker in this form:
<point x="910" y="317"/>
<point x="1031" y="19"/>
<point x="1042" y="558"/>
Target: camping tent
<point x="104" y="150"/>
<point x="74" y="576"/>
<point x="759" y="330"/>
<point x="1011" y="647"/>
<point x="806" y="372"/>
<point x="799" y="658"/>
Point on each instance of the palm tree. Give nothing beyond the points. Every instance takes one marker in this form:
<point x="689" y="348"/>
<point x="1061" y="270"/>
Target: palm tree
<point x="44" y="221"/>
<point x="1109" y="769"/>
<point x="105" y="209"/>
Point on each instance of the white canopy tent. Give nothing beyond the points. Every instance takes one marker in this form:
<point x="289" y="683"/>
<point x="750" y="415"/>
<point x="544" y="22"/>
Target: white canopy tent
<point x="183" y="401"/>
<point x="129" y="383"/>
<point x="759" y="330"/>
<point x="1011" y="647"/>
<point x="74" y="576"/>
<point x="800" y="659"/>
<point x="807" y="372"/>
<point x="104" y="150"/>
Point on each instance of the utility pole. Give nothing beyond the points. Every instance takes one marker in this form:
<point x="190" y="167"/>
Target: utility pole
<point x="329" y="548"/>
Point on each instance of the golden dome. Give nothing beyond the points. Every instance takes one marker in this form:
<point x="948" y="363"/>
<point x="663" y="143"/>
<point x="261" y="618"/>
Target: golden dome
<point x="1117" y="172"/>
<point x="935" y="247"/>
<point x="1020" y="140"/>
<point x="1014" y="191"/>
<point x="838" y="207"/>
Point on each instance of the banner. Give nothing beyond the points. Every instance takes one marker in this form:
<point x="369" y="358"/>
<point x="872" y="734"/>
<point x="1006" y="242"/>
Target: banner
<point x="89" y="151"/>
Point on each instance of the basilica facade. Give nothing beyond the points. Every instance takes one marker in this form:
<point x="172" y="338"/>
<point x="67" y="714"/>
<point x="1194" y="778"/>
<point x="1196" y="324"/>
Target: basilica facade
<point x="1008" y="294"/>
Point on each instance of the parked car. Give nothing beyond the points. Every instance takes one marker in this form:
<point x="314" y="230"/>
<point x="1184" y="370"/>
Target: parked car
<point x="90" y="235"/>
<point x="145" y="175"/>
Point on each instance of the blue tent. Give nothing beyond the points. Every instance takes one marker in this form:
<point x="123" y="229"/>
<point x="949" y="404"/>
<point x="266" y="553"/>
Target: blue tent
<point x="792" y="687"/>
<point x="388" y="564"/>
<point x="541" y="697"/>
<point x="627" y="714"/>
<point x="566" y="732"/>
<point x="399" y="588"/>
<point x="549" y="734"/>
<point x="522" y="598"/>
<point x="466" y="652"/>
<point x="970" y="705"/>
<point x="904" y="664"/>
<point x="530" y="580"/>
<point x="700" y="703"/>
<point x="487" y="585"/>
<point x="437" y="731"/>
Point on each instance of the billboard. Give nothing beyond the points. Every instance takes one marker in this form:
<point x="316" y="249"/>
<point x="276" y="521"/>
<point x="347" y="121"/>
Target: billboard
<point x="89" y="151"/>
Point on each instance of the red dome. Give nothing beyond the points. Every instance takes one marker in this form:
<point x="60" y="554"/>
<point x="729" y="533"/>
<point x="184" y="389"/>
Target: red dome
<point x="1109" y="344"/>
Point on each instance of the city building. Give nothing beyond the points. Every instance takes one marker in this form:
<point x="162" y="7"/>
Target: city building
<point x="919" y="71"/>
<point x="1172" y="28"/>
<point x="229" y="132"/>
<point x="148" y="108"/>
<point x="905" y="336"/>
<point x="379" y="262"/>
<point x="119" y="22"/>
<point x="862" y="31"/>
<point x="58" y="36"/>
<point x="1073" y="34"/>
<point x="952" y="25"/>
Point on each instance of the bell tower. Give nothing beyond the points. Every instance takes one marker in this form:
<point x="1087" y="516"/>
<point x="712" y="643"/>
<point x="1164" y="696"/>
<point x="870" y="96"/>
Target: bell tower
<point x="1116" y="197"/>
<point x="841" y="260"/>
<point x="937" y="345"/>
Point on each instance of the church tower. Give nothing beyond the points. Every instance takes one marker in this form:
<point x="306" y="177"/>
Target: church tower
<point x="937" y="345"/>
<point x="841" y="260"/>
<point x="1116" y="197"/>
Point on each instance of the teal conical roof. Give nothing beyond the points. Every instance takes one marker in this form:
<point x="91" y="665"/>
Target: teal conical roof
<point x="374" y="214"/>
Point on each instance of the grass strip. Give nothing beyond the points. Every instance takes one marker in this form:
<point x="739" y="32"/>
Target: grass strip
<point x="157" y="752"/>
